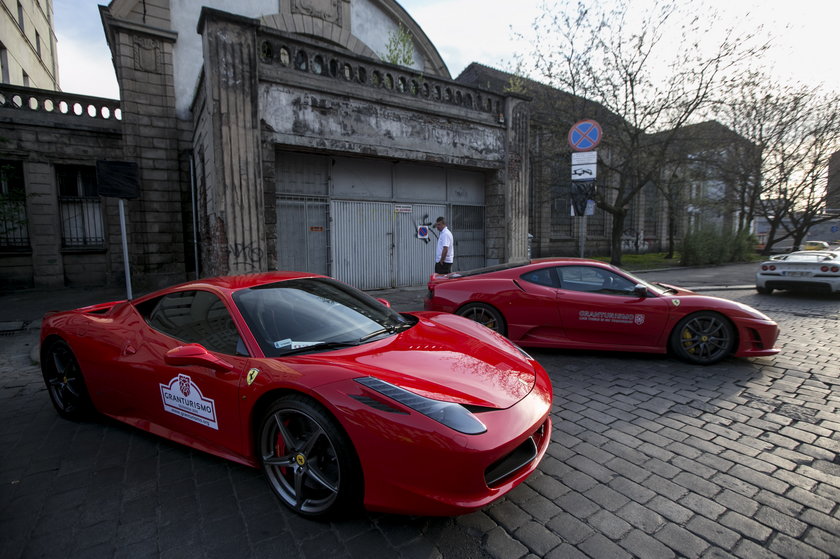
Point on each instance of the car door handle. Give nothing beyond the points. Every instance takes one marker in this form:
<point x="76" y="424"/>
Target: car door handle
<point x="128" y="349"/>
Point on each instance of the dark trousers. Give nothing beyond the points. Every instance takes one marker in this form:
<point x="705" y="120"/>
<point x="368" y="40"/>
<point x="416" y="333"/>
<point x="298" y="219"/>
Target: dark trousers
<point x="443" y="268"/>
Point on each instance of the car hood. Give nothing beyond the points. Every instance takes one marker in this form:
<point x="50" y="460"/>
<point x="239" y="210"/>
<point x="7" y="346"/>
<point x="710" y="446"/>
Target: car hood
<point x="444" y="357"/>
<point x="689" y="301"/>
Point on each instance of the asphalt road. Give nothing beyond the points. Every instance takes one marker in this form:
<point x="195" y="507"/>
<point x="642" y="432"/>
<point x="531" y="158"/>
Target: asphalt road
<point x="650" y="458"/>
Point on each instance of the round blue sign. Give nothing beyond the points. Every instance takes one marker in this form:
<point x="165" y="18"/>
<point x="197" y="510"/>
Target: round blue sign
<point x="585" y="135"/>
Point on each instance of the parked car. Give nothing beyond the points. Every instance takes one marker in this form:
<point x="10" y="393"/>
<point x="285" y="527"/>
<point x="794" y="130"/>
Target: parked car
<point x="804" y="270"/>
<point x="338" y="398"/>
<point x="588" y="304"/>
<point x="815" y="245"/>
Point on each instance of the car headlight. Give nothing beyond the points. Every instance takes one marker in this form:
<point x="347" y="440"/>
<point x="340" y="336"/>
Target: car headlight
<point x="452" y="415"/>
<point x="755" y="313"/>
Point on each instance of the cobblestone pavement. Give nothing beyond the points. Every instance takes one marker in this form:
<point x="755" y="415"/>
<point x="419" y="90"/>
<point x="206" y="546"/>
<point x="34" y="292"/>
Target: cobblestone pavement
<point x="650" y="458"/>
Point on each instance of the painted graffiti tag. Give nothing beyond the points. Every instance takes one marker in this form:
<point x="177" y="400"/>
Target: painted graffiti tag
<point x="246" y="255"/>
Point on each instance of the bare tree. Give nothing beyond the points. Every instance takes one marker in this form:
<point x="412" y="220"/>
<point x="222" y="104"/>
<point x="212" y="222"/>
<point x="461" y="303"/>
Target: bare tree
<point x="621" y="58"/>
<point x="794" y="130"/>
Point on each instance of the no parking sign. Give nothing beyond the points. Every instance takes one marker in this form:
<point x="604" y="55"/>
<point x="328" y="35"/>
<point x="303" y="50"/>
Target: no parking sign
<point x="585" y="135"/>
<point x="422" y="231"/>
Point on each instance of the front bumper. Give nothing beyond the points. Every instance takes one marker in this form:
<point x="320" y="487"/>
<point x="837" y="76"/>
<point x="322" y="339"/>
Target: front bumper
<point x="414" y="465"/>
<point x="756" y="338"/>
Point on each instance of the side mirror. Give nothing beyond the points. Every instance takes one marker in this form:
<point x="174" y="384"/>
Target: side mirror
<point x="195" y="354"/>
<point x="640" y="290"/>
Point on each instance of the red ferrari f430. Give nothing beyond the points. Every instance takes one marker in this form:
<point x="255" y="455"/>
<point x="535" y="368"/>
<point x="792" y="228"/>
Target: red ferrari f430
<point x="588" y="304"/>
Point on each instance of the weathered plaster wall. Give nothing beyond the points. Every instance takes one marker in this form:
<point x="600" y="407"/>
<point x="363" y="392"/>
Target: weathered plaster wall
<point x="295" y="117"/>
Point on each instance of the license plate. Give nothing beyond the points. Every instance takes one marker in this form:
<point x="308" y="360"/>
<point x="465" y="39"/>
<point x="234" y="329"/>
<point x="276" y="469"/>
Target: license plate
<point x="798" y="274"/>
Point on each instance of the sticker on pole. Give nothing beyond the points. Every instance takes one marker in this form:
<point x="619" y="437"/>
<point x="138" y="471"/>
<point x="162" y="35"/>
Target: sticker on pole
<point x="585" y="135"/>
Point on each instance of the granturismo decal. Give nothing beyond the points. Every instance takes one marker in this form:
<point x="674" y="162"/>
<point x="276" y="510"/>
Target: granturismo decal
<point x="183" y="398"/>
<point x="613" y="317"/>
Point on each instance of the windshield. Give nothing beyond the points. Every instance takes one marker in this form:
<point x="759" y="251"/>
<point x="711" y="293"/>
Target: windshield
<point x="313" y="313"/>
<point x="655" y="288"/>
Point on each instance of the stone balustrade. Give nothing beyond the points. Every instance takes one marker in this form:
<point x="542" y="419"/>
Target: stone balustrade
<point x="48" y="101"/>
<point x="279" y="49"/>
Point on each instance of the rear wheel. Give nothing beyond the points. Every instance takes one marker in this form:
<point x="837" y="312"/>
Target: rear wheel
<point x="764" y="290"/>
<point x="484" y="314"/>
<point x="307" y="458"/>
<point x="65" y="382"/>
<point x="703" y="338"/>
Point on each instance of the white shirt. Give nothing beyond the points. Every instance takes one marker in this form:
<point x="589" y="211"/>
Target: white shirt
<point x="445" y="240"/>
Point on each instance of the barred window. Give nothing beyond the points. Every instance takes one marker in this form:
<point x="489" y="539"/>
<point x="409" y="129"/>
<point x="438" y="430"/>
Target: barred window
<point x="14" y="233"/>
<point x="80" y="207"/>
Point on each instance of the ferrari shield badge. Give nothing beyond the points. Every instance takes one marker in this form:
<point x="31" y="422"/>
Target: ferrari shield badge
<point x="252" y="376"/>
<point x="676" y="302"/>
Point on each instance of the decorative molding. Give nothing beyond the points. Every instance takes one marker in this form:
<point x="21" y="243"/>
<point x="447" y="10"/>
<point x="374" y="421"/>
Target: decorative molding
<point x="325" y="10"/>
<point x="147" y="55"/>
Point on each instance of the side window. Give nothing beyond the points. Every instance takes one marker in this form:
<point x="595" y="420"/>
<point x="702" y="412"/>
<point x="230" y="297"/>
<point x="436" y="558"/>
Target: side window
<point x="544" y="276"/>
<point x="594" y="280"/>
<point x="197" y="317"/>
<point x="80" y="207"/>
<point x="14" y="230"/>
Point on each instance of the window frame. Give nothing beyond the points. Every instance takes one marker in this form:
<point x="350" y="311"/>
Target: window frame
<point x="14" y="219"/>
<point x="80" y="208"/>
<point x="204" y="330"/>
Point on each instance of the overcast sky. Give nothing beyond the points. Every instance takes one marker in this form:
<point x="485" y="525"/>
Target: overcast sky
<point x="482" y="31"/>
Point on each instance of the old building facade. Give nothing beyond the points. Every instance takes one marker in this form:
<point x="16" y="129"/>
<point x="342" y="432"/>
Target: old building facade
<point x="27" y="44"/>
<point x="271" y="135"/>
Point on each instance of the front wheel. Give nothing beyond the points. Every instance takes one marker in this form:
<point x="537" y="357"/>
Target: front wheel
<point x="703" y="338"/>
<point x="307" y="458"/>
<point x="65" y="383"/>
<point x="484" y="314"/>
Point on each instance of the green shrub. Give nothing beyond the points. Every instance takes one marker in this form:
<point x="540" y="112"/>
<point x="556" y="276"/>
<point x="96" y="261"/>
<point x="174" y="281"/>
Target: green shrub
<point x="708" y="246"/>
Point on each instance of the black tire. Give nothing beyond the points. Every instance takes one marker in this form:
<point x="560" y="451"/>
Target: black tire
<point x="764" y="290"/>
<point x="703" y="338"/>
<point x="308" y="460"/>
<point x="485" y="315"/>
<point x="65" y="382"/>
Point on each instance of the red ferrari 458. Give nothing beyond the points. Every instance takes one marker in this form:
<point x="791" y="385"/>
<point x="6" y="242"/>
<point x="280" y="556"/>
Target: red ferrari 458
<point x="337" y="397"/>
<point x="587" y="304"/>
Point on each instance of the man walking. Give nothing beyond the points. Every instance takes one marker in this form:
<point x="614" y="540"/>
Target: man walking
<point x="445" y="251"/>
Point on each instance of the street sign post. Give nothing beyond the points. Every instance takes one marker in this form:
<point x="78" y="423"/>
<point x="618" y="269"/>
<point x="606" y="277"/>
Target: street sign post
<point x="584" y="137"/>
<point x="119" y="179"/>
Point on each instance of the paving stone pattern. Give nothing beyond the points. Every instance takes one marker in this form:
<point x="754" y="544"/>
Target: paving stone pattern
<point x="650" y="458"/>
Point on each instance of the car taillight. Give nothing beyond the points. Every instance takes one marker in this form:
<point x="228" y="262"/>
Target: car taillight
<point x="765" y="267"/>
<point x="823" y="268"/>
<point x="835" y="269"/>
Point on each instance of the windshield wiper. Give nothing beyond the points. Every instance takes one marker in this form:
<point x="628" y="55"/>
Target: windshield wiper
<point x="375" y="333"/>
<point x="393" y="329"/>
<point x="336" y="345"/>
<point x="319" y="347"/>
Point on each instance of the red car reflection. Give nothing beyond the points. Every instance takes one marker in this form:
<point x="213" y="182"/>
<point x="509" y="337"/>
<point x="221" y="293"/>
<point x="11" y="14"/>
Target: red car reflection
<point x="587" y="304"/>
<point x="338" y="398"/>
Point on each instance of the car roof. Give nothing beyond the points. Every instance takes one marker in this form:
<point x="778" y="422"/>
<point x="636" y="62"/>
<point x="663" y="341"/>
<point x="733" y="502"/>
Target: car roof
<point x="231" y="283"/>
<point x="527" y="264"/>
